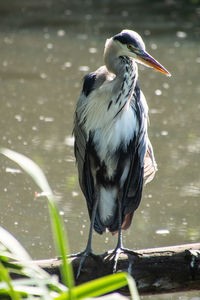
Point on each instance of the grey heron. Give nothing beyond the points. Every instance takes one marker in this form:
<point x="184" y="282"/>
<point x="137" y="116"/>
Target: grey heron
<point x="113" y="152"/>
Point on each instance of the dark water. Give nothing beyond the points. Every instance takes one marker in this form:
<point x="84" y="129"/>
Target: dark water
<point x="46" y="47"/>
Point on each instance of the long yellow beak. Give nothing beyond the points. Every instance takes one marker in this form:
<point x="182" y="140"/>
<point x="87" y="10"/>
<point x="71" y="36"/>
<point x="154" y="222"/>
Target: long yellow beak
<point x="148" y="60"/>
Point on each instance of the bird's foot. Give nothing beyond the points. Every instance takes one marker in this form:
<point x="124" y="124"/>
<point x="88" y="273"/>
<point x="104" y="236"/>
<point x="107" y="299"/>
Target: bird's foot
<point x="115" y="253"/>
<point x="84" y="254"/>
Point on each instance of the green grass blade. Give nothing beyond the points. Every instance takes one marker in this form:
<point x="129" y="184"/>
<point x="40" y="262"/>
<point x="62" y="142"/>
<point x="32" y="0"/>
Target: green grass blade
<point x="14" y="251"/>
<point x="4" y="275"/>
<point x="59" y="233"/>
<point x="93" y="288"/>
<point x="132" y="287"/>
<point x="102" y="286"/>
<point x="62" y="246"/>
<point x="14" y="247"/>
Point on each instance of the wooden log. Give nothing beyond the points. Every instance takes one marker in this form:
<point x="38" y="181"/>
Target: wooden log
<point x="156" y="270"/>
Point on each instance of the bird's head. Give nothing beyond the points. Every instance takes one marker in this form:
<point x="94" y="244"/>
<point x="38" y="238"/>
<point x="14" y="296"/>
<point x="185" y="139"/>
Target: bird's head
<point x="129" y="43"/>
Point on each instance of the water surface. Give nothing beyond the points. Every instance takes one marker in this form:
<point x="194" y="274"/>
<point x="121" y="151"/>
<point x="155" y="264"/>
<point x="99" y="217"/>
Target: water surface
<point x="45" y="52"/>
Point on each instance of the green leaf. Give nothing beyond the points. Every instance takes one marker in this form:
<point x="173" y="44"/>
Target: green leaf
<point x="4" y="275"/>
<point x="93" y="288"/>
<point x="15" y="251"/>
<point x="14" y="247"/>
<point x="103" y="286"/>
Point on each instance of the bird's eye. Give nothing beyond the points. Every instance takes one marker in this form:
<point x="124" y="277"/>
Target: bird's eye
<point x="129" y="47"/>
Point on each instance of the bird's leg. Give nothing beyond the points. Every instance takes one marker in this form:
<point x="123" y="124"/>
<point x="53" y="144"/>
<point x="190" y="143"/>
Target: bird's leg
<point x="88" y="249"/>
<point x="119" y="248"/>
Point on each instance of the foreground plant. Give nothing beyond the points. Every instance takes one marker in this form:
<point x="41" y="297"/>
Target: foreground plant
<point x="37" y="282"/>
<point x="15" y="260"/>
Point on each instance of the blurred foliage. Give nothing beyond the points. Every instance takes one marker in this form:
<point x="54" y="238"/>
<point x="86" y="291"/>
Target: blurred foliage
<point x="37" y="283"/>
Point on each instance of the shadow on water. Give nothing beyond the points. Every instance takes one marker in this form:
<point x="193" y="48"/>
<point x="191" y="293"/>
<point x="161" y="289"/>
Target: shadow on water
<point x="46" y="48"/>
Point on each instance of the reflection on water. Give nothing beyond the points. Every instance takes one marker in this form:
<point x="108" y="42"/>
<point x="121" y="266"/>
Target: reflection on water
<point x="43" y="58"/>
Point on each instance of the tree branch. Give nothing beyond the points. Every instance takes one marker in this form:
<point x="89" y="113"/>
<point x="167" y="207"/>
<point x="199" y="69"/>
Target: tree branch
<point x="157" y="270"/>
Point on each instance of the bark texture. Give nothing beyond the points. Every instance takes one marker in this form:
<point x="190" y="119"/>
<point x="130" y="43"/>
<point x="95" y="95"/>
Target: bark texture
<point x="157" y="270"/>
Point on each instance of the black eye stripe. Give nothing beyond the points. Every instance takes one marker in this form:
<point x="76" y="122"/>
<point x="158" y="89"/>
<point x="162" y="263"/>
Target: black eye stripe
<point x="125" y="38"/>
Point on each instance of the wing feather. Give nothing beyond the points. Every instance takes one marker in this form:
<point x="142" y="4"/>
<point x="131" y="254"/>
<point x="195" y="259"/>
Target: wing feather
<point x="82" y="143"/>
<point x="131" y="192"/>
<point x="150" y="166"/>
<point x="142" y="165"/>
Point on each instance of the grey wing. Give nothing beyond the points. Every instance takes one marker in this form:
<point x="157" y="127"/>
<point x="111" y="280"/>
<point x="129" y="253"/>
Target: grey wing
<point x="150" y="166"/>
<point x="143" y="165"/>
<point x="91" y="82"/>
<point x="133" y="187"/>
<point x="79" y="148"/>
<point x="83" y="163"/>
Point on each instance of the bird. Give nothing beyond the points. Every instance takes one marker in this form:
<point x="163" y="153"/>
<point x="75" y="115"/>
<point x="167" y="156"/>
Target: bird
<point x="113" y="152"/>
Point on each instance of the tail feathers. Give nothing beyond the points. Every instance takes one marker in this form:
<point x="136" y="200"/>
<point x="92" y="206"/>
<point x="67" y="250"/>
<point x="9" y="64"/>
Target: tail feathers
<point x="125" y="225"/>
<point x="98" y="226"/>
<point x="127" y="220"/>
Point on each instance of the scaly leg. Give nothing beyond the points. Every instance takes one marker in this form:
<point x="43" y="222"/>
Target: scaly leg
<point x="88" y="251"/>
<point x="119" y="248"/>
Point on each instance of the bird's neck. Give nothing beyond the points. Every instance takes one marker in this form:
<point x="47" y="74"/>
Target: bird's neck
<point x="124" y="69"/>
<point x="125" y="81"/>
<point x="127" y="69"/>
<point x="116" y="63"/>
